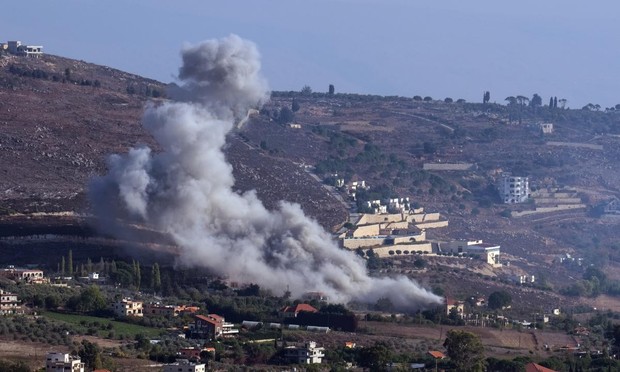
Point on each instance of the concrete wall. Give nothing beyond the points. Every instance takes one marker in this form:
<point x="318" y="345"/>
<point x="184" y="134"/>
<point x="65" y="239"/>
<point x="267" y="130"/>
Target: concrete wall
<point x="368" y="230"/>
<point x="431" y="225"/>
<point x="379" y="218"/>
<point x="423" y="217"/>
<point x="549" y="209"/>
<point x="401" y="225"/>
<point x="355" y="243"/>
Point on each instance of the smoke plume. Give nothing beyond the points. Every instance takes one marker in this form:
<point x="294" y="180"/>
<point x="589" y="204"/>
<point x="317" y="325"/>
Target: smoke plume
<point x="186" y="191"/>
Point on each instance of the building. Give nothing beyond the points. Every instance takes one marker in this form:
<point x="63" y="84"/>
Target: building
<point x="307" y="353"/>
<point x="184" y="365"/>
<point x="17" y="48"/>
<point x="293" y="311"/>
<point x="157" y="309"/>
<point x="488" y="252"/>
<point x="459" y="306"/>
<point x="9" y="304"/>
<point x="61" y="362"/>
<point x="210" y="327"/>
<point x="24" y="275"/>
<point x="513" y="189"/>
<point x="546" y="128"/>
<point x="127" y="307"/>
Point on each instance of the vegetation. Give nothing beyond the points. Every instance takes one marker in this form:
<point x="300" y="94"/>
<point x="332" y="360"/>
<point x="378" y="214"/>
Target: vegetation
<point x="465" y="350"/>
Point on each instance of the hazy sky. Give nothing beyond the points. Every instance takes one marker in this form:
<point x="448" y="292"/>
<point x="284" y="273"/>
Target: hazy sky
<point x="452" y="48"/>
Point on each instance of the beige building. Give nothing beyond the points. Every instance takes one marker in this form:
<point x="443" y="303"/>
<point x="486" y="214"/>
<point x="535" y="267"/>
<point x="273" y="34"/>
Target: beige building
<point x="127" y="307"/>
<point x="184" y="365"/>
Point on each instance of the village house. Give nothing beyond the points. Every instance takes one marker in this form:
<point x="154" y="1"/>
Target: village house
<point x="489" y="253"/>
<point x="10" y="304"/>
<point x="452" y="304"/>
<point x="127" y="307"/>
<point x="293" y="311"/>
<point x="184" y="365"/>
<point x="157" y="309"/>
<point x="307" y="353"/>
<point x="61" y="362"/>
<point x="210" y="327"/>
<point x="546" y="128"/>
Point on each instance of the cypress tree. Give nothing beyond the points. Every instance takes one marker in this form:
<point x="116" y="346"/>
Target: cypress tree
<point x="70" y="263"/>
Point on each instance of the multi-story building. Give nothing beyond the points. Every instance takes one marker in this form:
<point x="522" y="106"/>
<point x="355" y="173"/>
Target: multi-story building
<point x="513" y="189"/>
<point x="127" y="307"/>
<point x="184" y="365"/>
<point x="210" y="327"/>
<point x="61" y="362"/>
<point x="308" y="353"/>
<point x="9" y="304"/>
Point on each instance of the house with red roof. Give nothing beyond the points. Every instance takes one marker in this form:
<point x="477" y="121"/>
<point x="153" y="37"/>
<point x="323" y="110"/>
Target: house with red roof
<point x="293" y="311"/>
<point x="210" y="327"/>
<point x="533" y="367"/>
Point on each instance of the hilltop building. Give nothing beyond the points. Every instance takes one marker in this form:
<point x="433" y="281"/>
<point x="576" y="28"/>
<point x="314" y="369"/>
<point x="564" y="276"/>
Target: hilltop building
<point x="513" y="189"/>
<point x="24" y="275"/>
<point x="293" y="311"/>
<point x="157" y="309"/>
<point x="19" y="49"/>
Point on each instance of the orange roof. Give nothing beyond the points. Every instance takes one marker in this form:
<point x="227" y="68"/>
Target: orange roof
<point x="436" y="354"/>
<point x="211" y="318"/>
<point x="298" y="308"/>
<point x="533" y="367"/>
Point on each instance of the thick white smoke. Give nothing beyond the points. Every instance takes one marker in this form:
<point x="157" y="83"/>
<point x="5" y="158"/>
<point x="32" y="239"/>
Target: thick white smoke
<point x="186" y="190"/>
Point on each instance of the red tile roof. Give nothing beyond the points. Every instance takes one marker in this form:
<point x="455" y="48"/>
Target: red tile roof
<point x="298" y="308"/>
<point x="533" y="367"/>
<point x="211" y="318"/>
<point x="436" y="354"/>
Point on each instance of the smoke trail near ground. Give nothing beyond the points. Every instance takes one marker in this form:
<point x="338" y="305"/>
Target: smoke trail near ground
<point x="186" y="190"/>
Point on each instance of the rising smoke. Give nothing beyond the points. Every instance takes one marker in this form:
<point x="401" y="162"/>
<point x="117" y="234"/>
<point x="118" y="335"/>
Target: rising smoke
<point x="186" y="191"/>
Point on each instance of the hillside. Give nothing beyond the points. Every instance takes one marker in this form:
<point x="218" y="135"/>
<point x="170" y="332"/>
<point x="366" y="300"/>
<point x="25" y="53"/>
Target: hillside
<point x="60" y="118"/>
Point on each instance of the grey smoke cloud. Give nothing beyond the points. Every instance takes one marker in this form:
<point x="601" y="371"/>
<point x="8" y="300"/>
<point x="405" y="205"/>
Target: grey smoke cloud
<point x="186" y="191"/>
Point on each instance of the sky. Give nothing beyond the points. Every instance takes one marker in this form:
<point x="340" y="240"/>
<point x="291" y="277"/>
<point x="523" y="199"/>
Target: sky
<point x="449" y="48"/>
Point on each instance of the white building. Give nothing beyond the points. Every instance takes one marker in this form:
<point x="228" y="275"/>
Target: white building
<point x="184" y="365"/>
<point x="127" y="307"/>
<point x="9" y="304"/>
<point x="306" y="354"/>
<point x="61" y="362"/>
<point x="513" y="189"/>
<point x="17" y="48"/>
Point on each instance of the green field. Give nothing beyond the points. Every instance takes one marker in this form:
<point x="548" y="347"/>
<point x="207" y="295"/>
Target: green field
<point x="104" y="326"/>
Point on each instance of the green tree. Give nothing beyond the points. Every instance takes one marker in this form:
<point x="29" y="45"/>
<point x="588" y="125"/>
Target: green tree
<point x="499" y="299"/>
<point x="375" y="358"/>
<point x="90" y="354"/>
<point x="70" y="263"/>
<point x="285" y="116"/>
<point x="62" y="267"/>
<point x="486" y="97"/>
<point x="331" y="89"/>
<point x="295" y="105"/>
<point x="155" y="277"/>
<point x="465" y="350"/>
<point x="306" y="90"/>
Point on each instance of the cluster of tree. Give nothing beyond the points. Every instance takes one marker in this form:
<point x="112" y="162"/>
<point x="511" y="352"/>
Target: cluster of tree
<point x="594" y="283"/>
<point x="147" y="91"/>
<point x="35" y="330"/>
